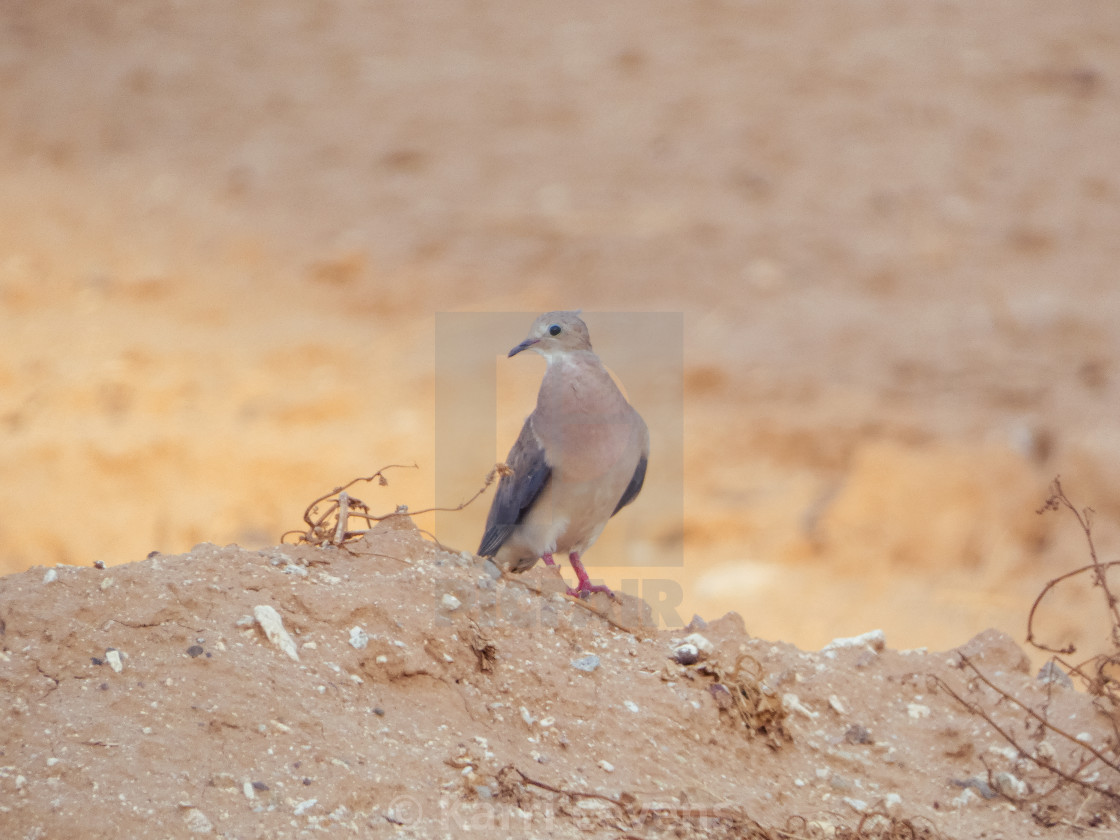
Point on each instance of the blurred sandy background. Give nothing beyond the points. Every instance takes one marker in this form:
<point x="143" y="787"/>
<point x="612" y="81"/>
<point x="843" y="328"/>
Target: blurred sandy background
<point x="890" y="230"/>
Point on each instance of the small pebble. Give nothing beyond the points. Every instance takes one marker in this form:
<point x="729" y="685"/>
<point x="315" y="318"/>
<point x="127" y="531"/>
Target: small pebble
<point x="1009" y="785"/>
<point x="50" y="576"/>
<point x="359" y="638"/>
<point x="450" y="602"/>
<point x="874" y="639"/>
<point x="686" y="654"/>
<point x="273" y="627"/>
<point x="966" y="796"/>
<point x="973" y="786"/>
<point x="113" y="657"/>
<point x="857" y="734"/>
<point x="586" y="663"/>
<point x="606" y="765"/>
<point x="195" y="651"/>
<point x="700" y="643"/>
<point x="304" y="807"/>
<point x="631" y="705"/>
<point x="917" y="710"/>
<point x="197" y="822"/>
<point x="1052" y="672"/>
<point x="792" y="703"/>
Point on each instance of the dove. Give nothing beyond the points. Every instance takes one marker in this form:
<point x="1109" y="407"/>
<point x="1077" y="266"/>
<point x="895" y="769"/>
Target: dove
<point x="580" y="458"/>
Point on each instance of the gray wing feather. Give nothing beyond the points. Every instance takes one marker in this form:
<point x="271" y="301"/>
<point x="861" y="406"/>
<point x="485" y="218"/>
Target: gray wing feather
<point x="516" y="492"/>
<point x="634" y="487"/>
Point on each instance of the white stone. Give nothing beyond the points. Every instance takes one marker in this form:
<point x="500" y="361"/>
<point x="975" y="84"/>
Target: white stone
<point x="273" y="627"/>
<point x="359" y="638"/>
<point x="113" y="657"/>
<point x="700" y="642"/>
<point x="917" y="710"/>
<point x="304" y="807"/>
<point x="792" y="703"/>
<point x="874" y="639"/>
<point x="197" y="822"/>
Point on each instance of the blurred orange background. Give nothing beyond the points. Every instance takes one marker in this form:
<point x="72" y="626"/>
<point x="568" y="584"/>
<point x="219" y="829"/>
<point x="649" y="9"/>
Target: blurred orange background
<point x="891" y="232"/>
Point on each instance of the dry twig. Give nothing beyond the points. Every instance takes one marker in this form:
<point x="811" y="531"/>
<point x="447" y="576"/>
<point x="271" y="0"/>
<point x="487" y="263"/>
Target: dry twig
<point x="740" y="690"/>
<point x="1049" y="765"/>
<point x="1056" y="500"/>
<point x="329" y="526"/>
<point x="1094" y="672"/>
<point x="1094" y="770"/>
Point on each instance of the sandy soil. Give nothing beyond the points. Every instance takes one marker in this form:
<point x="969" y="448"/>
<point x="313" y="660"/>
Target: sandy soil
<point x="856" y="264"/>
<point x="423" y="696"/>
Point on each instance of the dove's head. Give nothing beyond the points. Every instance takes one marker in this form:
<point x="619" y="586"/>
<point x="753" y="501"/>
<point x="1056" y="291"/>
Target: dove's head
<point x="555" y="333"/>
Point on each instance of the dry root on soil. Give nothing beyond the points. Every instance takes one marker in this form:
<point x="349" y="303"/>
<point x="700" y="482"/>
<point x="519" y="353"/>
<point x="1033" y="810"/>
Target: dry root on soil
<point x="629" y="814"/>
<point x="328" y="517"/>
<point x="738" y="691"/>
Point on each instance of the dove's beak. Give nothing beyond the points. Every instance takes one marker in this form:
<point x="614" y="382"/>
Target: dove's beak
<point x="524" y="345"/>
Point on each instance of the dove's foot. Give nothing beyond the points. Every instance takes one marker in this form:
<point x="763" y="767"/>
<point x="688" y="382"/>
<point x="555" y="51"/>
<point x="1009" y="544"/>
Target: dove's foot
<point x="585" y="587"/>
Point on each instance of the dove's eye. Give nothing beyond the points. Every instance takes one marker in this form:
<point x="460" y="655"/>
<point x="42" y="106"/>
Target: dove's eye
<point x="554" y="329"/>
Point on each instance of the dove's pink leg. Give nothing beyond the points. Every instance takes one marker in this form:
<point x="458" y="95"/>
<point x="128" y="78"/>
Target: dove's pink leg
<point x="547" y="558"/>
<point x="585" y="588"/>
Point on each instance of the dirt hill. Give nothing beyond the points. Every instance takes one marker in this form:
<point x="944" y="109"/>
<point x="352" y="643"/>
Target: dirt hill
<point x="411" y="691"/>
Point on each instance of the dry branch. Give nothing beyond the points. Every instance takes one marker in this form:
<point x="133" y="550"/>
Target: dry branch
<point x="1093" y="672"/>
<point x="329" y="526"/>
<point x="1096" y="771"/>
